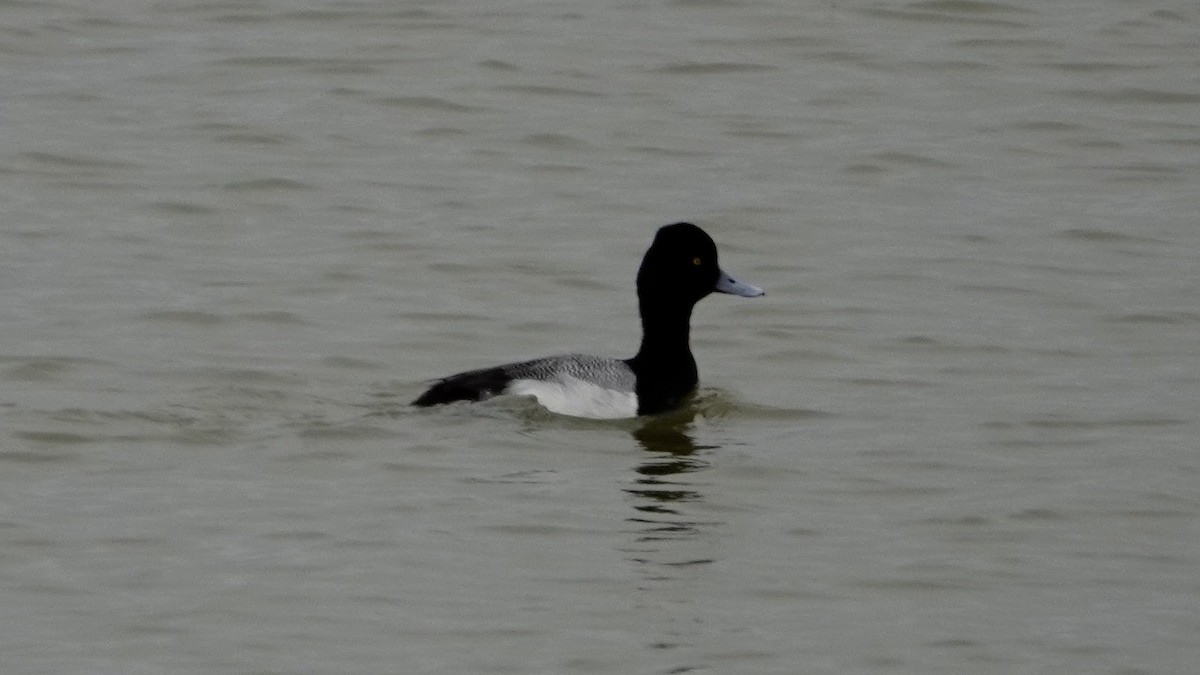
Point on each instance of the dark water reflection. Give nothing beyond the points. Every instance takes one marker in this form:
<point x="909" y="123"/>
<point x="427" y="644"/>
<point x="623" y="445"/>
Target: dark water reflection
<point x="664" y="493"/>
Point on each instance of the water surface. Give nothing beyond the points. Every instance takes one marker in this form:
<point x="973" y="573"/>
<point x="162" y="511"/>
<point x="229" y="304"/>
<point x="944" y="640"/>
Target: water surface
<point x="957" y="435"/>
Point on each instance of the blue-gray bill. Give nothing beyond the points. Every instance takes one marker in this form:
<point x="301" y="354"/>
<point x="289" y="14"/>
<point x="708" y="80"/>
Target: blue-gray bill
<point x="727" y="284"/>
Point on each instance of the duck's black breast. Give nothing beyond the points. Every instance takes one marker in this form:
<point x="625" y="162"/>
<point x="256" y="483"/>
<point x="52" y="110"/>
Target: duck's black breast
<point x="663" y="384"/>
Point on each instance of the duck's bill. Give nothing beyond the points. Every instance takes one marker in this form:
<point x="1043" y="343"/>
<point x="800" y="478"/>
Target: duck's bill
<point x="727" y="284"/>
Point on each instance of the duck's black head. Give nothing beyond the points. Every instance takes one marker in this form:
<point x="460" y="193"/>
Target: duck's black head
<point x="681" y="268"/>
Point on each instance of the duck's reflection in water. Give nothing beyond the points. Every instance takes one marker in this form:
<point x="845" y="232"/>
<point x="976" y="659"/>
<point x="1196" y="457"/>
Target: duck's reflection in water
<point x="665" y="494"/>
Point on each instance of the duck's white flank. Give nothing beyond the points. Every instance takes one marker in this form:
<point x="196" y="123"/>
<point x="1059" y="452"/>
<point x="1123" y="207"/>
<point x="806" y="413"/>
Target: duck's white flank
<point x="567" y="395"/>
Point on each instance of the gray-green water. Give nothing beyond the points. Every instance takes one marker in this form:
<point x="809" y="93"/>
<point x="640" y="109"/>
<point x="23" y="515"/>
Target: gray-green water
<point x="957" y="436"/>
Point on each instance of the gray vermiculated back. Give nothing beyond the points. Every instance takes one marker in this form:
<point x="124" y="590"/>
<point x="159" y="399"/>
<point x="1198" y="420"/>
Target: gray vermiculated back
<point x="599" y="370"/>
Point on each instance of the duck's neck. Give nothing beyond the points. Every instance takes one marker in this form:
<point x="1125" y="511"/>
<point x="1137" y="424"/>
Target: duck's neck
<point x="664" y="365"/>
<point x="665" y="334"/>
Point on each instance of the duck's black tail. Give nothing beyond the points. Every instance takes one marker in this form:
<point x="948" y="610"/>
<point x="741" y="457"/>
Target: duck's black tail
<point x="474" y="385"/>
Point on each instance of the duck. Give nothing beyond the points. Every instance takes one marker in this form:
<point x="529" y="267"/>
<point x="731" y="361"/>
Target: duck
<point x="679" y="269"/>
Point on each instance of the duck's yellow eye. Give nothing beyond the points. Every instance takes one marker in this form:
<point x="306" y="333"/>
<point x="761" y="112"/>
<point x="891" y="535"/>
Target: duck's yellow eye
<point x="696" y="262"/>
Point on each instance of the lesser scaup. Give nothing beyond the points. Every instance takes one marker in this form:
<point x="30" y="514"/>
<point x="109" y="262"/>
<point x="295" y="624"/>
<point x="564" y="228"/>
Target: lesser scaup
<point x="679" y="269"/>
